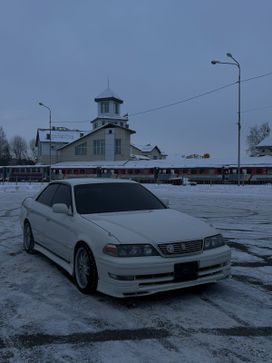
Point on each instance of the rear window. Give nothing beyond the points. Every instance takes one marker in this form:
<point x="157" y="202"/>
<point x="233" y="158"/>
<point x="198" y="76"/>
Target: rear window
<point x="114" y="197"/>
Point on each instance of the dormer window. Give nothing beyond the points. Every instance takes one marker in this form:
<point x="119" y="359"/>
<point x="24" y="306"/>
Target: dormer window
<point x="104" y="107"/>
<point x="116" y="108"/>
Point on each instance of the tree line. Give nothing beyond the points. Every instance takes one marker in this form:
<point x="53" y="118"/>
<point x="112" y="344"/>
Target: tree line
<point x="16" y="150"/>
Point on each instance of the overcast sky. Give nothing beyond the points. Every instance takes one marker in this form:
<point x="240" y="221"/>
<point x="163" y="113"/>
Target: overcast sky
<point x="155" y="52"/>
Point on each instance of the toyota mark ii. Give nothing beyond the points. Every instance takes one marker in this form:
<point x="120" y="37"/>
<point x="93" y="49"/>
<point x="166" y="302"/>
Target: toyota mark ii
<point x="116" y="237"/>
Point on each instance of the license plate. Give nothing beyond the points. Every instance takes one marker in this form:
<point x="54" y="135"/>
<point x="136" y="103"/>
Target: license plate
<point x="185" y="271"/>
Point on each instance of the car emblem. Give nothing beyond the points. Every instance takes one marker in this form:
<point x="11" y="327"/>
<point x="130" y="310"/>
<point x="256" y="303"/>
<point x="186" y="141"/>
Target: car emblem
<point x="183" y="246"/>
<point x="170" y="248"/>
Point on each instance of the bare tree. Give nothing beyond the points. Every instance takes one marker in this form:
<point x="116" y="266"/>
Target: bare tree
<point x="18" y="147"/>
<point x="256" y="135"/>
<point x="4" y="148"/>
<point x="33" y="150"/>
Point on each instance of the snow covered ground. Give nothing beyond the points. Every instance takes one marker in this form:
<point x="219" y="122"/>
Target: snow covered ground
<point x="43" y="317"/>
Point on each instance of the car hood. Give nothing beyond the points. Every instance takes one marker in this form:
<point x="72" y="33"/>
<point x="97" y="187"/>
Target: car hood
<point x="154" y="226"/>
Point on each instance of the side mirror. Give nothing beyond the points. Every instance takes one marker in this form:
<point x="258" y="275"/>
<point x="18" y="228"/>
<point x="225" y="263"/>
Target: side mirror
<point x="61" y="208"/>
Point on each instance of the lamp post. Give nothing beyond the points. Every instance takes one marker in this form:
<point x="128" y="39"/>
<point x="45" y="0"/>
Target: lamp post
<point x="50" y="135"/>
<point x="236" y="64"/>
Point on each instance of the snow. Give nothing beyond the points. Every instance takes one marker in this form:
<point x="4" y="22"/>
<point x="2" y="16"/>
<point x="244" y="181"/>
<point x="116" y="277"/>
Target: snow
<point x="173" y="161"/>
<point x="108" y="93"/>
<point x="60" y="135"/>
<point x="139" y="157"/>
<point x="44" y="318"/>
<point x="266" y="142"/>
<point x="144" y="148"/>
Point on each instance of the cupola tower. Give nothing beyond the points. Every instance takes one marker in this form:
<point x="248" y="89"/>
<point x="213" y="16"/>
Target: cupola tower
<point x="109" y="110"/>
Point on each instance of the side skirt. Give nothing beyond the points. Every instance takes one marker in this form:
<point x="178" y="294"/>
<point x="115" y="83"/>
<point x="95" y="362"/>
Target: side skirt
<point x="58" y="260"/>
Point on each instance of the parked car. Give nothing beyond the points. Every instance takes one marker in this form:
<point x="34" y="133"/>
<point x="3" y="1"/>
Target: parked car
<point x="116" y="237"/>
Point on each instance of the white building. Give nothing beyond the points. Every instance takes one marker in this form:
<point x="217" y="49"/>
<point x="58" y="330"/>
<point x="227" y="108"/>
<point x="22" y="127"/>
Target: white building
<point x="147" y="151"/>
<point x="60" y="136"/>
<point x="265" y="147"/>
<point x="109" y="139"/>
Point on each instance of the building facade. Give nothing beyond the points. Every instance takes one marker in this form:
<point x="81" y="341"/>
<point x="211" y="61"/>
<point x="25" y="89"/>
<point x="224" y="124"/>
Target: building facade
<point x="108" y="140"/>
<point x="264" y="147"/>
<point x="60" y="136"/>
<point x="148" y="151"/>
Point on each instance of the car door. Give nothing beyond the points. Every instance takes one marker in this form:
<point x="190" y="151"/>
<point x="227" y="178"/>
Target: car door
<point x="39" y="214"/>
<point x="61" y="230"/>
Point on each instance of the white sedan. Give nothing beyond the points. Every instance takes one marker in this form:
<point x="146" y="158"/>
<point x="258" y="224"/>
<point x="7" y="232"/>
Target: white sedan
<point x="117" y="237"/>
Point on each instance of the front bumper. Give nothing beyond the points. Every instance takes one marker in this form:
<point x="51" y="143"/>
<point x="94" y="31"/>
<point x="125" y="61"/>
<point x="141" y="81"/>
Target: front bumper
<point x="124" y="277"/>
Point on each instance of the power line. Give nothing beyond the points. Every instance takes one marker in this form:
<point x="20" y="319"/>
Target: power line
<point x="198" y="96"/>
<point x="185" y="99"/>
<point x="256" y="77"/>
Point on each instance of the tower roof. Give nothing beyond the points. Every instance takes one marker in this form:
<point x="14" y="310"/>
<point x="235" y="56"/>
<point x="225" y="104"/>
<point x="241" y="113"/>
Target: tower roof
<point x="108" y="94"/>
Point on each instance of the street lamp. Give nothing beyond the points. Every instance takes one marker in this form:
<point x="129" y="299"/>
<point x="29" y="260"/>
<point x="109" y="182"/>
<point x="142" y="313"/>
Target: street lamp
<point x="50" y="135"/>
<point x="236" y="64"/>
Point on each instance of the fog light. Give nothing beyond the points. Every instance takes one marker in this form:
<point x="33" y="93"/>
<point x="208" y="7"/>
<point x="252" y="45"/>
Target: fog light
<point x="121" y="278"/>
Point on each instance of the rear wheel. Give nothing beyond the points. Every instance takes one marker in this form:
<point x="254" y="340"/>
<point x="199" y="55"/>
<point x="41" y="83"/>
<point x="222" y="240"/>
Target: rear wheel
<point x="28" y="238"/>
<point x="85" y="271"/>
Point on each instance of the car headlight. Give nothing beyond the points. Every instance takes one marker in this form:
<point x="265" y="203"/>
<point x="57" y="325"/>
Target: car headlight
<point x="130" y="250"/>
<point x="214" y="242"/>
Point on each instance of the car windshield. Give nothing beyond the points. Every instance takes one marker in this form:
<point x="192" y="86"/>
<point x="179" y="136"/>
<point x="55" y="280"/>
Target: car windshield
<point x="114" y="197"/>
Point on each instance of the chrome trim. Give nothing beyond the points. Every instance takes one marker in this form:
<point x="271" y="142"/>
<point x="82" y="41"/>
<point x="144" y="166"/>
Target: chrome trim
<point x="181" y="248"/>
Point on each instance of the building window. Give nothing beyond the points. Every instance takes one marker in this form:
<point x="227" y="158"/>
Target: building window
<point x="104" y="107"/>
<point x="81" y="134"/>
<point x="116" y="108"/>
<point x="81" y="149"/>
<point x="118" y="146"/>
<point x="48" y="136"/>
<point x="99" y="147"/>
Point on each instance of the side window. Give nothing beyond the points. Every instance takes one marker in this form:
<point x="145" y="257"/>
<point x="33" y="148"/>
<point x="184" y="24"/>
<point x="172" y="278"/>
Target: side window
<point x="47" y="195"/>
<point x="63" y="195"/>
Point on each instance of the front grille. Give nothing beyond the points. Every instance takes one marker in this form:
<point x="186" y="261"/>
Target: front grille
<point x="181" y="248"/>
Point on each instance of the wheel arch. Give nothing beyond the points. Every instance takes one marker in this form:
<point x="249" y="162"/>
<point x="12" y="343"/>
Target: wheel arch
<point x="94" y="271"/>
<point x="79" y="243"/>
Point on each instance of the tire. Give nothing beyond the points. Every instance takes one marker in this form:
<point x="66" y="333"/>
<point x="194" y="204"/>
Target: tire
<point x="85" y="271"/>
<point x="28" y="238"/>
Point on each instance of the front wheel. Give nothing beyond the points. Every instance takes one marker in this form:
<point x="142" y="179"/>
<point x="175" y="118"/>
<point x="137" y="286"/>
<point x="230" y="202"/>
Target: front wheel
<point x="85" y="271"/>
<point x="28" y="238"/>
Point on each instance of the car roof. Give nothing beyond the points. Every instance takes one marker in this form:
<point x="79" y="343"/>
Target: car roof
<point x="79" y="181"/>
